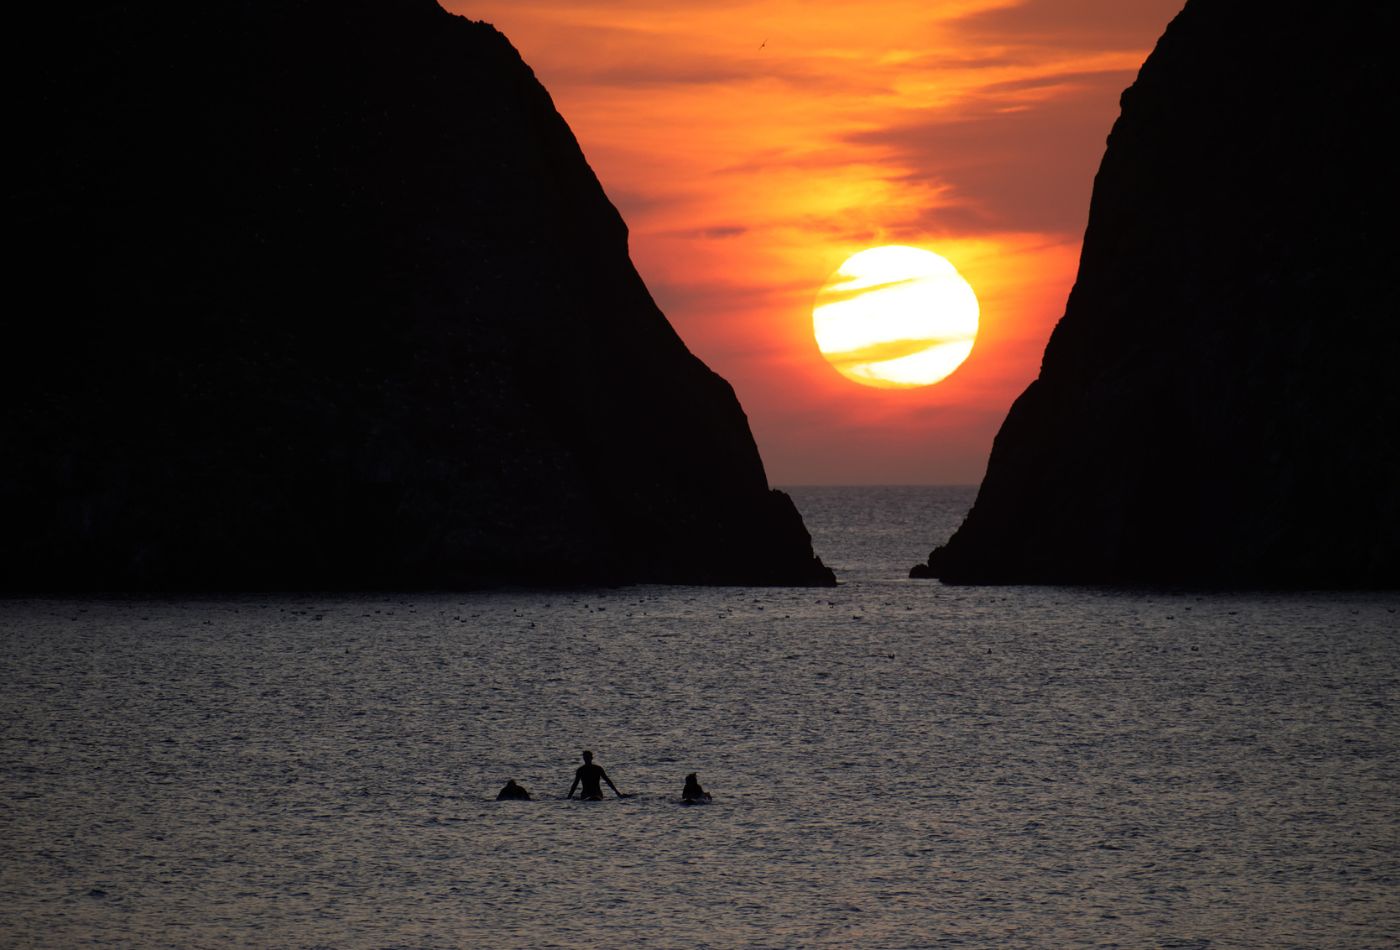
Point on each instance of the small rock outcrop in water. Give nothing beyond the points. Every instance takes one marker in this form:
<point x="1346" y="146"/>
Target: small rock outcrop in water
<point x="1219" y="405"/>
<point x="323" y="294"/>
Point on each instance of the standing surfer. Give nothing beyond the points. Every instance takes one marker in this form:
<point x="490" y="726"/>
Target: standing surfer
<point x="588" y="775"/>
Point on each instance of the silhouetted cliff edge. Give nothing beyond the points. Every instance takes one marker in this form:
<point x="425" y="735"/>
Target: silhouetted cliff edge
<point x="1218" y="405"/>
<point x="323" y="294"/>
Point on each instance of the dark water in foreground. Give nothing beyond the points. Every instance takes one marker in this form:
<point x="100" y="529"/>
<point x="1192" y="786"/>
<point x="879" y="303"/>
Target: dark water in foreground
<point x="894" y="764"/>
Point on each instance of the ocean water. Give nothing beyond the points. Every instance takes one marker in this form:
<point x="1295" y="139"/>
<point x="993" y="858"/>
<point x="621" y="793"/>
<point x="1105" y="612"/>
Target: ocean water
<point x="894" y="763"/>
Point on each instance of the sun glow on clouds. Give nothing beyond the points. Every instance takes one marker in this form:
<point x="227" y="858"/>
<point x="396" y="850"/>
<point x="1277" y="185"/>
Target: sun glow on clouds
<point x="754" y="145"/>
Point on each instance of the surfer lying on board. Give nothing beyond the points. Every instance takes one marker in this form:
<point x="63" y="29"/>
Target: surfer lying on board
<point x="588" y="776"/>
<point x="512" y="793"/>
<point x="692" y="791"/>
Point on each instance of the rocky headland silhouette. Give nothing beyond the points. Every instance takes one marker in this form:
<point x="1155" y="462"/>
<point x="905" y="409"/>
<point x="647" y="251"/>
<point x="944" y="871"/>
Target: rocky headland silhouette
<point x="322" y="294"/>
<point x="1219" y="404"/>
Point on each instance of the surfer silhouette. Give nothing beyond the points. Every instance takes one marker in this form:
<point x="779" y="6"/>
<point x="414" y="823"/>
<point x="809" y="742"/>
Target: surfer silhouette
<point x="692" y="791"/>
<point x="588" y="775"/>
<point x="513" y="792"/>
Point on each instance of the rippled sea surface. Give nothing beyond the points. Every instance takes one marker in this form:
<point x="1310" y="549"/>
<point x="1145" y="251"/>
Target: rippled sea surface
<point x="894" y="763"/>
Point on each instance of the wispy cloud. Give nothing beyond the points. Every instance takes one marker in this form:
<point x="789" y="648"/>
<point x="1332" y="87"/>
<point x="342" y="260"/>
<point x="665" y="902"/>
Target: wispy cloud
<point x="717" y="233"/>
<point x="1060" y="25"/>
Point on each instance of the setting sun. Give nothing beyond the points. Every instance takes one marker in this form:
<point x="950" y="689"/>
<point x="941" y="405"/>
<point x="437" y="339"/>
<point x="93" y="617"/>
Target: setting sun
<point x="895" y="317"/>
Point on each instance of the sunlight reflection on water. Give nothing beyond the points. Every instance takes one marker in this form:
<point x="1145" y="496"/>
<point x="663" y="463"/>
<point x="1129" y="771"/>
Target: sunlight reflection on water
<point x="894" y="763"/>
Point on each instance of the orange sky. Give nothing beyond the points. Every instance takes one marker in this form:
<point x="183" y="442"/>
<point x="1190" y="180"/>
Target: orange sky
<point x="752" y="145"/>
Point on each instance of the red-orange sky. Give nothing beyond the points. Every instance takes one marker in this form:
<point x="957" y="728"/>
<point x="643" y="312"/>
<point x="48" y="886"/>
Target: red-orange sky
<point x="752" y="145"/>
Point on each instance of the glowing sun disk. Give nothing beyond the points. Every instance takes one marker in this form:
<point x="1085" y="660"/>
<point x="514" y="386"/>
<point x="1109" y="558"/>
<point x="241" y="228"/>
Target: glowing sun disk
<point x="895" y="317"/>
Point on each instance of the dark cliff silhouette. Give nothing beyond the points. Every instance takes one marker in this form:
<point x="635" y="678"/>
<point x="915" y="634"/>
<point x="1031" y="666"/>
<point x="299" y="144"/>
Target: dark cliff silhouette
<point x="324" y="294"/>
<point x="1219" y="404"/>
